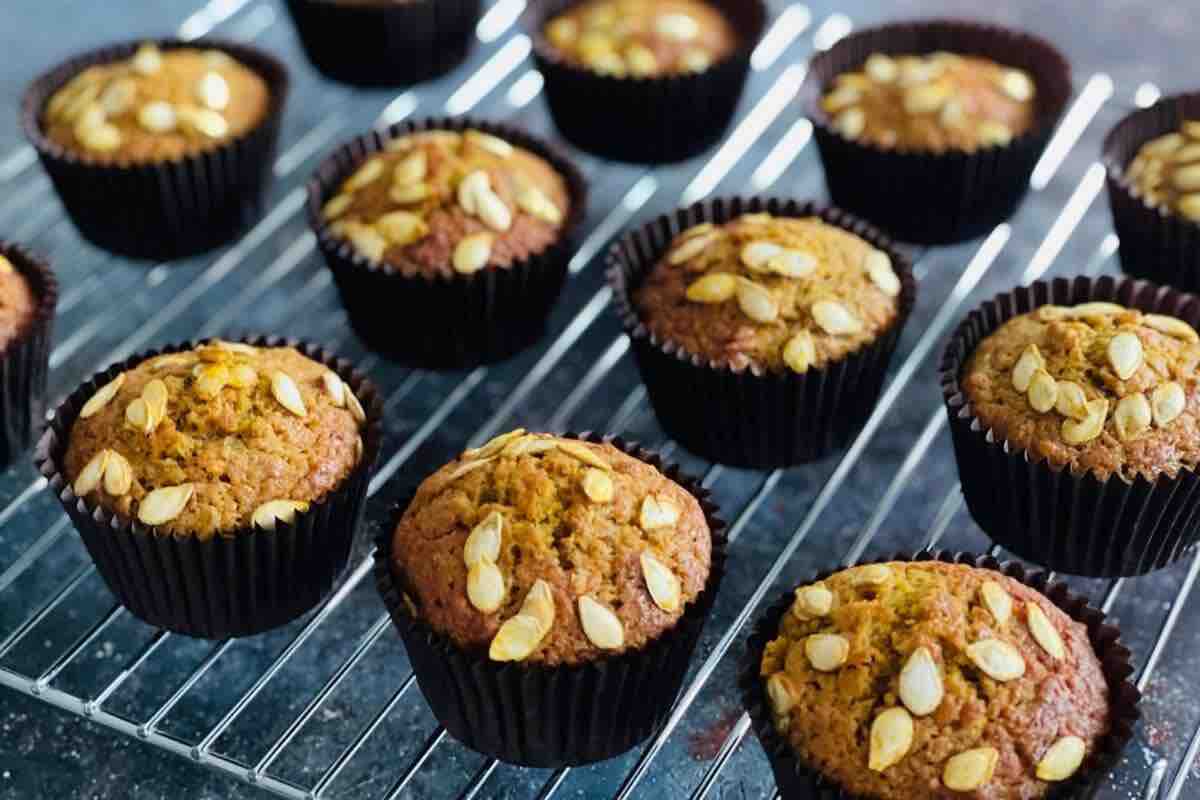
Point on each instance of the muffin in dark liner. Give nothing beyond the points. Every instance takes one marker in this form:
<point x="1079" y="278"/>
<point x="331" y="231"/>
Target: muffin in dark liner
<point x="162" y="210"/>
<point x="539" y="716"/>
<point x="446" y="321"/>
<point x="753" y="417"/>
<point x="236" y="583"/>
<point x="1072" y="523"/>
<point x="926" y="197"/>
<point x="25" y="360"/>
<point x="646" y="120"/>
<point x="385" y="43"/>
<point x="1156" y="244"/>
<point x="795" y="779"/>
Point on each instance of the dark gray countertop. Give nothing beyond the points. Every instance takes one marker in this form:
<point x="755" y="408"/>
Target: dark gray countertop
<point x="46" y="752"/>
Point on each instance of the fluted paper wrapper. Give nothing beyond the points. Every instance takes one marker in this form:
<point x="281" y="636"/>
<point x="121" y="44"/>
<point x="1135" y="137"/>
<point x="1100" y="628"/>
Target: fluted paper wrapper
<point x="385" y="43"/>
<point x="798" y="781"/>
<point x="162" y="210"/>
<point x="1156" y="244"/>
<point x="452" y="321"/>
<point x="928" y="197"/>
<point x="649" y="120"/>
<point x="25" y="360"/>
<point x="540" y="716"/>
<point x="235" y="583"/>
<point x="752" y="417"/>
<point x="1072" y="523"/>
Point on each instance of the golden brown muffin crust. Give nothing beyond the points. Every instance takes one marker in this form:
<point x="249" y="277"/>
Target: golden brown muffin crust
<point x="158" y="105"/>
<point x="437" y="203"/>
<point x="828" y="294"/>
<point x="553" y="531"/>
<point x="642" y="38"/>
<point x="1166" y="171"/>
<point x="885" y="614"/>
<point x="225" y="432"/>
<point x="934" y="103"/>
<point x="1145" y="423"/>
<point x="17" y="303"/>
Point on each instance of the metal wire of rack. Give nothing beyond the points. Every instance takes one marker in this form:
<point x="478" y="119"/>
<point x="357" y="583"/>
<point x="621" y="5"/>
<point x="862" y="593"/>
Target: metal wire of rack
<point x="219" y="704"/>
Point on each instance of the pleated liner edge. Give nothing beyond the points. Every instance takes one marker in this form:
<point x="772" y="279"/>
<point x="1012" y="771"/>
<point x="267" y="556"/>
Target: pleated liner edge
<point x="752" y="418"/>
<point x="1077" y="524"/>
<point x="797" y="780"/>
<point x="540" y="716"/>
<point x="446" y="321"/>
<point x="25" y="359"/>
<point x="235" y="584"/>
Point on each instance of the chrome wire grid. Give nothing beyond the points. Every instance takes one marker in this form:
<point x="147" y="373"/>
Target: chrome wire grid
<point x="327" y="707"/>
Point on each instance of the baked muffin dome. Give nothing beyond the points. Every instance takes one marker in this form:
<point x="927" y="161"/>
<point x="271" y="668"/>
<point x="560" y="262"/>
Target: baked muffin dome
<point x="933" y="103"/>
<point x="921" y="680"/>
<point x="642" y="38"/>
<point x="216" y="439"/>
<point x="158" y="105"/>
<point x="441" y="202"/>
<point x="17" y="302"/>
<point x="548" y="550"/>
<point x="1095" y="387"/>
<point x="772" y="293"/>
<point x="1166" y="171"/>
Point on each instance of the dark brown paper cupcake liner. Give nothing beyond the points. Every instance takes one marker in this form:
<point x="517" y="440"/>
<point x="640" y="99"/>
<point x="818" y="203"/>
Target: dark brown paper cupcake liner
<point x="25" y="360"/>
<point x="385" y="43"/>
<point x="234" y="584"/>
<point x="542" y="716"/>
<point x="796" y="779"/>
<point x="645" y="120"/>
<point x="752" y="418"/>
<point x="162" y="210"/>
<point x="1072" y="523"/>
<point x="927" y="197"/>
<point x="1156" y="244"/>
<point x="446" y="321"/>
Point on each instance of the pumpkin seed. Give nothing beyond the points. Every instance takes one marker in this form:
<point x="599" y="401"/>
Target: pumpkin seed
<point x="826" y="651"/>
<point x="891" y="738"/>
<point x="661" y="582"/>
<point x="1167" y="402"/>
<point x="1044" y="631"/>
<point x="102" y="397"/>
<point x="997" y="659"/>
<point x="970" y="769"/>
<point x="601" y="626"/>
<point x="1062" y="760"/>
<point x="287" y="393"/>
<point x="485" y="586"/>
<point x="164" y="504"/>
<point x="272" y="512"/>
<point x="920" y="685"/>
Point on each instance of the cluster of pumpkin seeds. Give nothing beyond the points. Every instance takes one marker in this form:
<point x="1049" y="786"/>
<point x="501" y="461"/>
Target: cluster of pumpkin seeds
<point x="520" y="635"/>
<point x="96" y="98"/>
<point x="214" y="366"/>
<point x="1134" y="413"/>
<point x="705" y="245"/>
<point x="1166" y="171"/>
<point x="416" y="191"/>
<point x="927" y="88"/>
<point x="920" y="685"/>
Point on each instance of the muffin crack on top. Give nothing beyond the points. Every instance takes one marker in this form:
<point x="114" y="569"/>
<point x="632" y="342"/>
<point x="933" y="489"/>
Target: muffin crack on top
<point x="543" y="549"/>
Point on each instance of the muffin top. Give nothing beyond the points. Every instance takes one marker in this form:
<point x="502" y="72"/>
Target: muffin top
<point x="216" y="439"/>
<point x="642" y="38"/>
<point x="1166" y="171"/>
<point x="157" y="105"/>
<point x="443" y="203"/>
<point x="548" y="550"/>
<point x="937" y="102"/>
<point x="1097" y="387"/>
<point x="922" y="680"/>
<point x="17" y="303"/>
<point x="769" y="292"/>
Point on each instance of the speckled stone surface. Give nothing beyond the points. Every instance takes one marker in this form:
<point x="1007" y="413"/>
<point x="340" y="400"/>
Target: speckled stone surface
<point x="273" y="281"/>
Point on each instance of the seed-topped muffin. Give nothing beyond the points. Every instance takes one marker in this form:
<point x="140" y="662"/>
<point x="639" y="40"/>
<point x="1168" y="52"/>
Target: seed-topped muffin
<point x="1165" y="173"/>
<point x="17" y="302"/>
<point x="540" y="549"/>
<point x="158" y="105"/>
<point x="642" y="38"/>
<point x="442" y="202"/>
<point x="216" y="439"/>
<point x="921" y="680"/>
<point x="1098" y="387"/>
<point x="935" y="102"/>
<point x="772" y="293"/>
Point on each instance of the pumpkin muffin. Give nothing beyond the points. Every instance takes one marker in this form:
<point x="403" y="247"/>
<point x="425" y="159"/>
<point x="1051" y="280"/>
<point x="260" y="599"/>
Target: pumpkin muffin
<point x="214" y="440"/>
<point x="1165" y="173"/>
<point x="642" y="38"/>
<point x="17" y="302"/>
<point x="911" y="680"/>
<point x="932" y="102"/>
<point x="158" y="105"/>
<point x="1096" y="387"/>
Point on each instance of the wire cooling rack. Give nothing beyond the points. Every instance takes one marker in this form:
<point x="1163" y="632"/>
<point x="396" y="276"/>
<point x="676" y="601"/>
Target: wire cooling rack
<point x="327" y="707"/>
